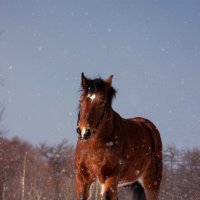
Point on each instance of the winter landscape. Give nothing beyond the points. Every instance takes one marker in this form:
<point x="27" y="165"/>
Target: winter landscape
<point x="153" y="50"/>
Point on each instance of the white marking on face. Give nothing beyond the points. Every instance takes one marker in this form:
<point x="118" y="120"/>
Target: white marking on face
<point x="83" y="131"/>
<point x="91" y="96"/>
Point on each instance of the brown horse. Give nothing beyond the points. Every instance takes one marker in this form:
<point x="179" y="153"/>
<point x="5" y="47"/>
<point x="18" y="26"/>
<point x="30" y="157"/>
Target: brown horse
<point x="114" y="150"/>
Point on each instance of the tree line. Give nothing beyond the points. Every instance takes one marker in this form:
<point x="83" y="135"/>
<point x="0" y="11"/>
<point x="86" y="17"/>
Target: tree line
<point x="42" y="172"/>
<point x="30" y="173"/>
<point x="46" y="172"/>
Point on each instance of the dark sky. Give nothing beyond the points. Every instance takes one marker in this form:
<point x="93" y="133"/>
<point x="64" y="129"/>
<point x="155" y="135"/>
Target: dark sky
<point x="151" y="47"/>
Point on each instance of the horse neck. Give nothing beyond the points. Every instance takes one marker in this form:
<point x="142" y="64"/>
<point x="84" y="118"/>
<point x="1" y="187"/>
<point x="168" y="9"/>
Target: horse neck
<point x="106" y="126"/>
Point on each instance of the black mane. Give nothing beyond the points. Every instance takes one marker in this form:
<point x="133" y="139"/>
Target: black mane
<point x="95" y="85"/>
<point x="99" y="85"/>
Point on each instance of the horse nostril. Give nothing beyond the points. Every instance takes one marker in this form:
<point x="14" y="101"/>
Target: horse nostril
<point x="87" y="132"/>
<point x="78" y="130"/>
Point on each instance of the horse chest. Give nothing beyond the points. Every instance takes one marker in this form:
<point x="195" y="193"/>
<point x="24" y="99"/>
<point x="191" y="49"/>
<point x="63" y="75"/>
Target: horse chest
<point x="98" y="160"/>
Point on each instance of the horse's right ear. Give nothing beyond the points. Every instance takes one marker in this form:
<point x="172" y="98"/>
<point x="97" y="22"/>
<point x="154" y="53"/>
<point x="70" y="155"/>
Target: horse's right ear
<point x="83" y="81"/>
<point x="109" y="80"/>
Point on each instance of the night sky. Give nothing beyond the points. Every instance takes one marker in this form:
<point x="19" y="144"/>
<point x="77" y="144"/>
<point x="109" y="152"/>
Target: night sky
<point x="151" y="47"/>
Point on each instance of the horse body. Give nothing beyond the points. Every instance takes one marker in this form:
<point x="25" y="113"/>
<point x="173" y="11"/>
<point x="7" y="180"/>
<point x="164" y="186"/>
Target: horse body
<point x="120" y="152"/>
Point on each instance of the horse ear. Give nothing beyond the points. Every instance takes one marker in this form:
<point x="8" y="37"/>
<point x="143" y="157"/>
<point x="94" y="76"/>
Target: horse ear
<point x="83" y="81"/>
<point x="109" y="80"/>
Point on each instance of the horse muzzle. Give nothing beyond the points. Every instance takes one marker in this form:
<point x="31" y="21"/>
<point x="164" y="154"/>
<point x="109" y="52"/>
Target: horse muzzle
<point x="84" y="134"/>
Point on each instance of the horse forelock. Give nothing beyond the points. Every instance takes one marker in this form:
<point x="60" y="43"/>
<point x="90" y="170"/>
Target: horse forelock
<point x="94" y="87"/>
<point x="98" y="85"/>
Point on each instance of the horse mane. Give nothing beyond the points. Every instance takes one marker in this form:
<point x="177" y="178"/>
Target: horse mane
<point x="99" y="85"/>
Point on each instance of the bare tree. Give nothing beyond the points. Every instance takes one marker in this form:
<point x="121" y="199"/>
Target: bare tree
<point x="2" y="173"/>
<point x="60" y="162"/>
<point x="2" y="110"/>
<point x="171" y="155"/>
<point x="189" y="172"/>
<point x="47" y="172"/>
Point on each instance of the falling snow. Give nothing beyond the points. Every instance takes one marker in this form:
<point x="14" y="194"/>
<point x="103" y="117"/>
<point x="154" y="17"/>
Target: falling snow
<point x="109" y="144"/>
<point x="10" y="68"/>
<point x="40" y="48"/>
<point x="163" y="49"/>
<point x="109" y="30"/>
<point x="154" y="56"/>
<point x="86" y="13"/>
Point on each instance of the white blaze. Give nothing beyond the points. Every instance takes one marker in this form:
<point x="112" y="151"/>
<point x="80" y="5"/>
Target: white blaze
<point x="83" y="132"/>
<point x="91" y="96"/>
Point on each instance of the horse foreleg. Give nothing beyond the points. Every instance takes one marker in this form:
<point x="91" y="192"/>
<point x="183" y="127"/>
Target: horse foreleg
<point x="152" y="178"/>
<point x="109" y="189"/>
<point x="82" y="187"/>
<point x="151" y="194"/>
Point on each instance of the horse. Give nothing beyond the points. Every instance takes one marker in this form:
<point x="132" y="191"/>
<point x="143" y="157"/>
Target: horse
<point x="113" y="150"/>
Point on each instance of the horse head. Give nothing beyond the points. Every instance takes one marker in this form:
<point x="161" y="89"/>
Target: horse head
<point x="97" y="95"/>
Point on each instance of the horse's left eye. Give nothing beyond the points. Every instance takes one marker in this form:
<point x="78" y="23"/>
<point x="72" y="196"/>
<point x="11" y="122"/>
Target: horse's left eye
<point x="102" y="103"/>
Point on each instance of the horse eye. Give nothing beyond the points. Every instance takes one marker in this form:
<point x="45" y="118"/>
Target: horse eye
<point x="102" y="103"/>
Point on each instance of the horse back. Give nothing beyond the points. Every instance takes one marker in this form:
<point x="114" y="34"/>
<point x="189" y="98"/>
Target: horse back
<point x="154" y="134"/>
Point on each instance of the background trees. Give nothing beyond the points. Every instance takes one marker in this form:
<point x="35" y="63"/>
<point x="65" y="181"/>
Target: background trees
<point x="181" y="175"/>
<point x="28" y="172"/>
<point x="47" y="172"/>
<point x="42" y="172"/>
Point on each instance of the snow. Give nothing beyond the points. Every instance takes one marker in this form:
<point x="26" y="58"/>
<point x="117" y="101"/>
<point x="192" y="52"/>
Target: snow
<point x="121" y="161"/>
<point x="40" y="48"/>
<point x="70" y="114"/>
<point x="137" y="172"/>
<point x="66" y="52"/>
<point x="109" y="144"/>
<point x="109" y="30"/>
<point x="86" y="14"/>
<point x="10" y="67"/>
<point x="163" y="49"/>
